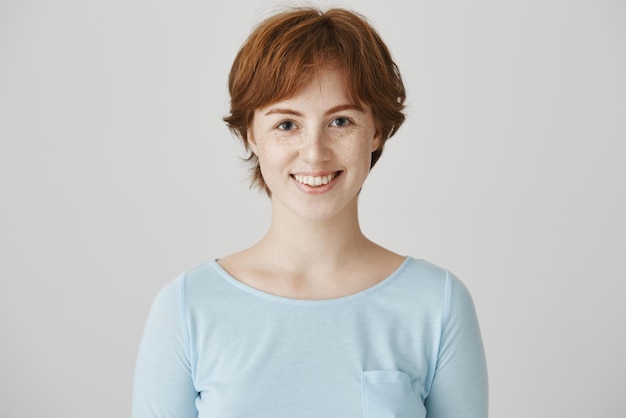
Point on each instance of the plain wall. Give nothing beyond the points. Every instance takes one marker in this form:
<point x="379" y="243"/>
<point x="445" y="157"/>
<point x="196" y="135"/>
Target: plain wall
<point x="117" y="174"/>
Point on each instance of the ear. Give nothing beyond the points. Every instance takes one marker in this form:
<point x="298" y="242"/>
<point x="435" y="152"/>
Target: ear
<point x="378" y="140"/>
<point x="251" y="140"/>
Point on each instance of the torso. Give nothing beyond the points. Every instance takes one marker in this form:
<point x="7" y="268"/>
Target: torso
<point x="372" y="353"/>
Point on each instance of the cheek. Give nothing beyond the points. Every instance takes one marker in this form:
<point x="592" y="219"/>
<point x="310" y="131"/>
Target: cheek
<point x="272" y="156"/>
<point x="360" y="159"/>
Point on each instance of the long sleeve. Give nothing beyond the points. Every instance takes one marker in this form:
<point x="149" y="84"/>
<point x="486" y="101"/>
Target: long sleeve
<point x="163" y="386"/>
<point x="459" y="388"/>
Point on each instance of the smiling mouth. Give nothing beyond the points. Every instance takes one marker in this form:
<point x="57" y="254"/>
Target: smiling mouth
<point x="315" y="181"/>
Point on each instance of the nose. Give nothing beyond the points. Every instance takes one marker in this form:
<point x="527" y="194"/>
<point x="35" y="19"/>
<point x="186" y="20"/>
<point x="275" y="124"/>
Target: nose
<point x="315" y="147"/>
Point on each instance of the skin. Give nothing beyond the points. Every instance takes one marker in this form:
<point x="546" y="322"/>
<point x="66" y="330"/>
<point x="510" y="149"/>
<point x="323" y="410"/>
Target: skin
<point x="314" y="248"/>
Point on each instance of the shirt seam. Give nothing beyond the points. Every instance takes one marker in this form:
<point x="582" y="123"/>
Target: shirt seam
<point x="186" y="328"/>
<point x="445" y="307"/>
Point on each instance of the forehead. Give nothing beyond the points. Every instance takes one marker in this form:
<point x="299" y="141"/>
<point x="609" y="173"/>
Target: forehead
<point x="329" y="83"/>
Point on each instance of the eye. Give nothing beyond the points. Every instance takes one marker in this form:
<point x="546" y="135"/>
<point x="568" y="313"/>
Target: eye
<point x="286" y="125"/>
<point x="339" y="122"/>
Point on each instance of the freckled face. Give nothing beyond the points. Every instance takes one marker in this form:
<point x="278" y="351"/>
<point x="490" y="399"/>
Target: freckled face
<point x="314" y="149"/>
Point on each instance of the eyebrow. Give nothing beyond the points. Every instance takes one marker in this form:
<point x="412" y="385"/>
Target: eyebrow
<point x="287" y="111"/>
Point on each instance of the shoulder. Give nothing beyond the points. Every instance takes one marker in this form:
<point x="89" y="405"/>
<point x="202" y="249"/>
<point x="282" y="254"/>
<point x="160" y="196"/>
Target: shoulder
<point x="183" y="289"/>
<point x="428" y="280"/>
<point x="426" y="274"/>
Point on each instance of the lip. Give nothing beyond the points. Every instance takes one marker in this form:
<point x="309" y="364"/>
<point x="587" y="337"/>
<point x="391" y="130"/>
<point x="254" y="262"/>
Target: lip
<point x="318" y="189"/>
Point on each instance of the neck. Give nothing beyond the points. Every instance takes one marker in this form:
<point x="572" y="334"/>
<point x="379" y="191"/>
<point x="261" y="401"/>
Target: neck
<point x="303" y="245"/>
<point x="313" y="258"/>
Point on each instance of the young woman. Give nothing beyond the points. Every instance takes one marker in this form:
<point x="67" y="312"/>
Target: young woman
<point x="315" y="320"/>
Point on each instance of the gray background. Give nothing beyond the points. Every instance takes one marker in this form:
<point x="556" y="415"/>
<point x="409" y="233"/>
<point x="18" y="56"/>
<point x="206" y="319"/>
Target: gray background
<point x="117" y="174"/>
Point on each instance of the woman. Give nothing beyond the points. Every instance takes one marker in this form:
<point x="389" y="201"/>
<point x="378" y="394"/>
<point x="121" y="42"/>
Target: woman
<point x="315" y="320"/>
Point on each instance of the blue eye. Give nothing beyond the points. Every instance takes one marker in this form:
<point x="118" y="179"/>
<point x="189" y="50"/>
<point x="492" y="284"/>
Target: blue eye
<point x="286" y="126"/>
<point x="340" y="122"/>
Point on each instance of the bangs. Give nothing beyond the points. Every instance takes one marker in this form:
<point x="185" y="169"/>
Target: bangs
<point x="286" y="56"/>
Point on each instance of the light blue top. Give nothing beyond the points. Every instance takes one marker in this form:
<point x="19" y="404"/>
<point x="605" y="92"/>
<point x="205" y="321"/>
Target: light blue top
<point x="409" y="346"/>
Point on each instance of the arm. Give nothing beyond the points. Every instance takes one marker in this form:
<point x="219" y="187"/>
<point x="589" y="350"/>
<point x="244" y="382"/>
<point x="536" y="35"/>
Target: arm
<point x="163" y="386"/>
<point x="459" y="388"/>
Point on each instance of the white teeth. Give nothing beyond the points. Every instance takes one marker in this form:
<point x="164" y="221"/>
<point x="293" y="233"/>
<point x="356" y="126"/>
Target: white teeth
<point x="314" y="181"/>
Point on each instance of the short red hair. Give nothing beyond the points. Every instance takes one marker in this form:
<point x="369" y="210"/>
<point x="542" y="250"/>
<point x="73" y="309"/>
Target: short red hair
<point x="285" y="50"/>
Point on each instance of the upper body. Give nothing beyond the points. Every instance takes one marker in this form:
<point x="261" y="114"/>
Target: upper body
<point x="314" y="98"/>
<point x="409" y="347"/>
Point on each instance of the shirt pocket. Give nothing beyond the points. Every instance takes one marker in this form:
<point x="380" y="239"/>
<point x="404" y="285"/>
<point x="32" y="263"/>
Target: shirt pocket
<point x="389" y="394"/>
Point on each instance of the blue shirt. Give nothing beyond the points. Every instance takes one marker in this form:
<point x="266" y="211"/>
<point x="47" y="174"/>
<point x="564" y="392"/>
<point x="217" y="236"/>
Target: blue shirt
<point x="409" y="346"/>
